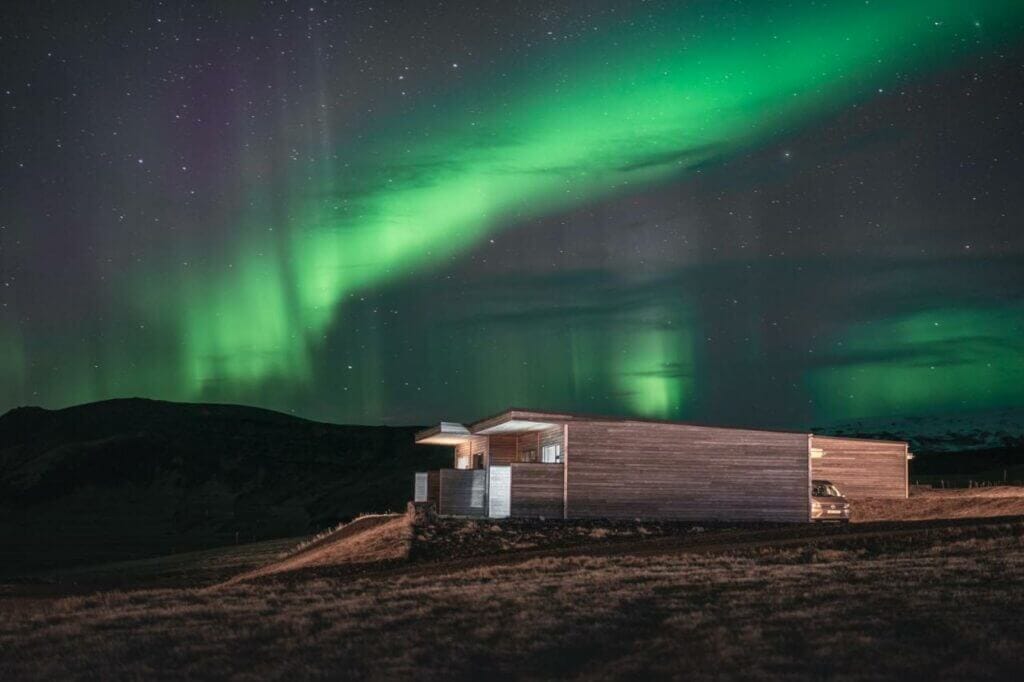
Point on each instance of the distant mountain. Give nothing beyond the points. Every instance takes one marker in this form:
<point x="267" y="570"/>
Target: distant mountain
<point x="965" y="432"/>
<point x="130" y="478"/>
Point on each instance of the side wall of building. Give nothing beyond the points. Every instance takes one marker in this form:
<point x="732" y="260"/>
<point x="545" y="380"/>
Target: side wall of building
<point x="623" y="469"/>
<point x="860" y="467"/>
<point x="537" y="490"/>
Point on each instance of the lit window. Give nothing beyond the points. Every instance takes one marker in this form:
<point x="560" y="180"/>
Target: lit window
<point x="551" y="454"/>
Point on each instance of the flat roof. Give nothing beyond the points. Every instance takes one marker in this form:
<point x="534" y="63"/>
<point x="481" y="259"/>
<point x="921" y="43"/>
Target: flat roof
<point x="523" y="414"/>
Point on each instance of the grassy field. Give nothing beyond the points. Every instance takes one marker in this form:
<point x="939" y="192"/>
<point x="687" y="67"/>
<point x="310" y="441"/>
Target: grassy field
<point x="884" y="600"/>
<point x="931" y="503"/>
<point x="940" y="604"/>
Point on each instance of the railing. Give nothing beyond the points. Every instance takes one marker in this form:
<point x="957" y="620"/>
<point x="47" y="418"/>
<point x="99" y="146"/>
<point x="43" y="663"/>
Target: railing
<point x="965" y="480"/>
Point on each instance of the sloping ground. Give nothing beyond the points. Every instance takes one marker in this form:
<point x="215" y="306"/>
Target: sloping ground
<point x="376" y="539"/>
<point x="928" y="504"/>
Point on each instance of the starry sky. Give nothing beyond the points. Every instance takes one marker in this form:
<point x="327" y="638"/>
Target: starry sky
<point x="766" y="213"/>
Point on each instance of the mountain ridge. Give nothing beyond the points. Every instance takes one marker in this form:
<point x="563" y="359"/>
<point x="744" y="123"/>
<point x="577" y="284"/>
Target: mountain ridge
<point x="941" y="433"/>
<point x="134" y="477"/>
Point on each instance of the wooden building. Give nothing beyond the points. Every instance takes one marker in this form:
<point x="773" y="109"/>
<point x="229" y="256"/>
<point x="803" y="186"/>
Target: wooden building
<point x="528" y="463"/>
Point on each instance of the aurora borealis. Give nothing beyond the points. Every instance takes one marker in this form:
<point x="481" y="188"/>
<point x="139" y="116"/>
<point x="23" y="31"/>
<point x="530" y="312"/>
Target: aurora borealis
<point x="754" y="212"/>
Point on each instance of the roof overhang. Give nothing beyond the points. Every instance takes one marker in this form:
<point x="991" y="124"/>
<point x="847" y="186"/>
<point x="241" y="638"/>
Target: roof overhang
<point x="516" y="420"/>
<point x="445" y="433"/>
<point x="514" y="426"/>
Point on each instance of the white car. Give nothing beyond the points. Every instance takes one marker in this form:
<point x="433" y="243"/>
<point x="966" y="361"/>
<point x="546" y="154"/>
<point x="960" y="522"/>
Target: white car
<point x="827" y="503"/>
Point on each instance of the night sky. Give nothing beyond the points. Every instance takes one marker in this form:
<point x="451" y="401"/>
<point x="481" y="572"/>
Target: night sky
<point x="772" y="214"/>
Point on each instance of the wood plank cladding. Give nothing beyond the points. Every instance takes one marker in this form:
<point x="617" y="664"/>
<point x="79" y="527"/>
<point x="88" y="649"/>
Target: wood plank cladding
<point x="463" y="456"/>
<point x="478" y="446"/>
<point x="861" y="467"/>
<point x="463" y="492"/>
<point x="466" y="451"/>
<point x="502" y="449"/>
<point x="527" y="445"/>
<point x="537" y="490"/>
<point x="552" y="436"/>
<point x="625" y="469"/>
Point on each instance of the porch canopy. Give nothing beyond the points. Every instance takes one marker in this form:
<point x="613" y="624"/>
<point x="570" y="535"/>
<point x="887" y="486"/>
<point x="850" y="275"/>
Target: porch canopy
<point x="514" y="426"/>
<point x="445" y="433"/>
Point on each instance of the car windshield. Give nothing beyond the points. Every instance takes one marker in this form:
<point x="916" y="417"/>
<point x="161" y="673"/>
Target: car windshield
<point x="826" y="490"/>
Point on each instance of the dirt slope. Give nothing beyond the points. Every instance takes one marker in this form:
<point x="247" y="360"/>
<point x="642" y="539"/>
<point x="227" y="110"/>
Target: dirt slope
<point x="943" y="504"/>
<point x="377" y="539"/>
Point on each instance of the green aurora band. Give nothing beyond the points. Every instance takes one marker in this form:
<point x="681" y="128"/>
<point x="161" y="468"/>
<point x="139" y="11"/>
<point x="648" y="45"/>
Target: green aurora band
<point x="629" y="109"/>
<point x="942" y="359"/>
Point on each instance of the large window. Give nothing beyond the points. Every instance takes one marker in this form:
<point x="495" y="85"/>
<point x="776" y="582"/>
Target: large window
<point x="551" y="454"/>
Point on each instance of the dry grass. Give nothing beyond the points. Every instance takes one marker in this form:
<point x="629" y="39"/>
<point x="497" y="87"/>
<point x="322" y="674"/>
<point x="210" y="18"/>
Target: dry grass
<point x="329" y="533"/>
<point x="369" y="539"/>
<point x="939" y="604"/>
<point x="929" y="601"/>
<point x="931" y="503"/>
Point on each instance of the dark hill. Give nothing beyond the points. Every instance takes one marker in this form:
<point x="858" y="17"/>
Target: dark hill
<point x="130" y="478"/>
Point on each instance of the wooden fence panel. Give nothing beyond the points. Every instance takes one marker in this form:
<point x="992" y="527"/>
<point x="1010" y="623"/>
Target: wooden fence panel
<point x="463" y="492"/>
